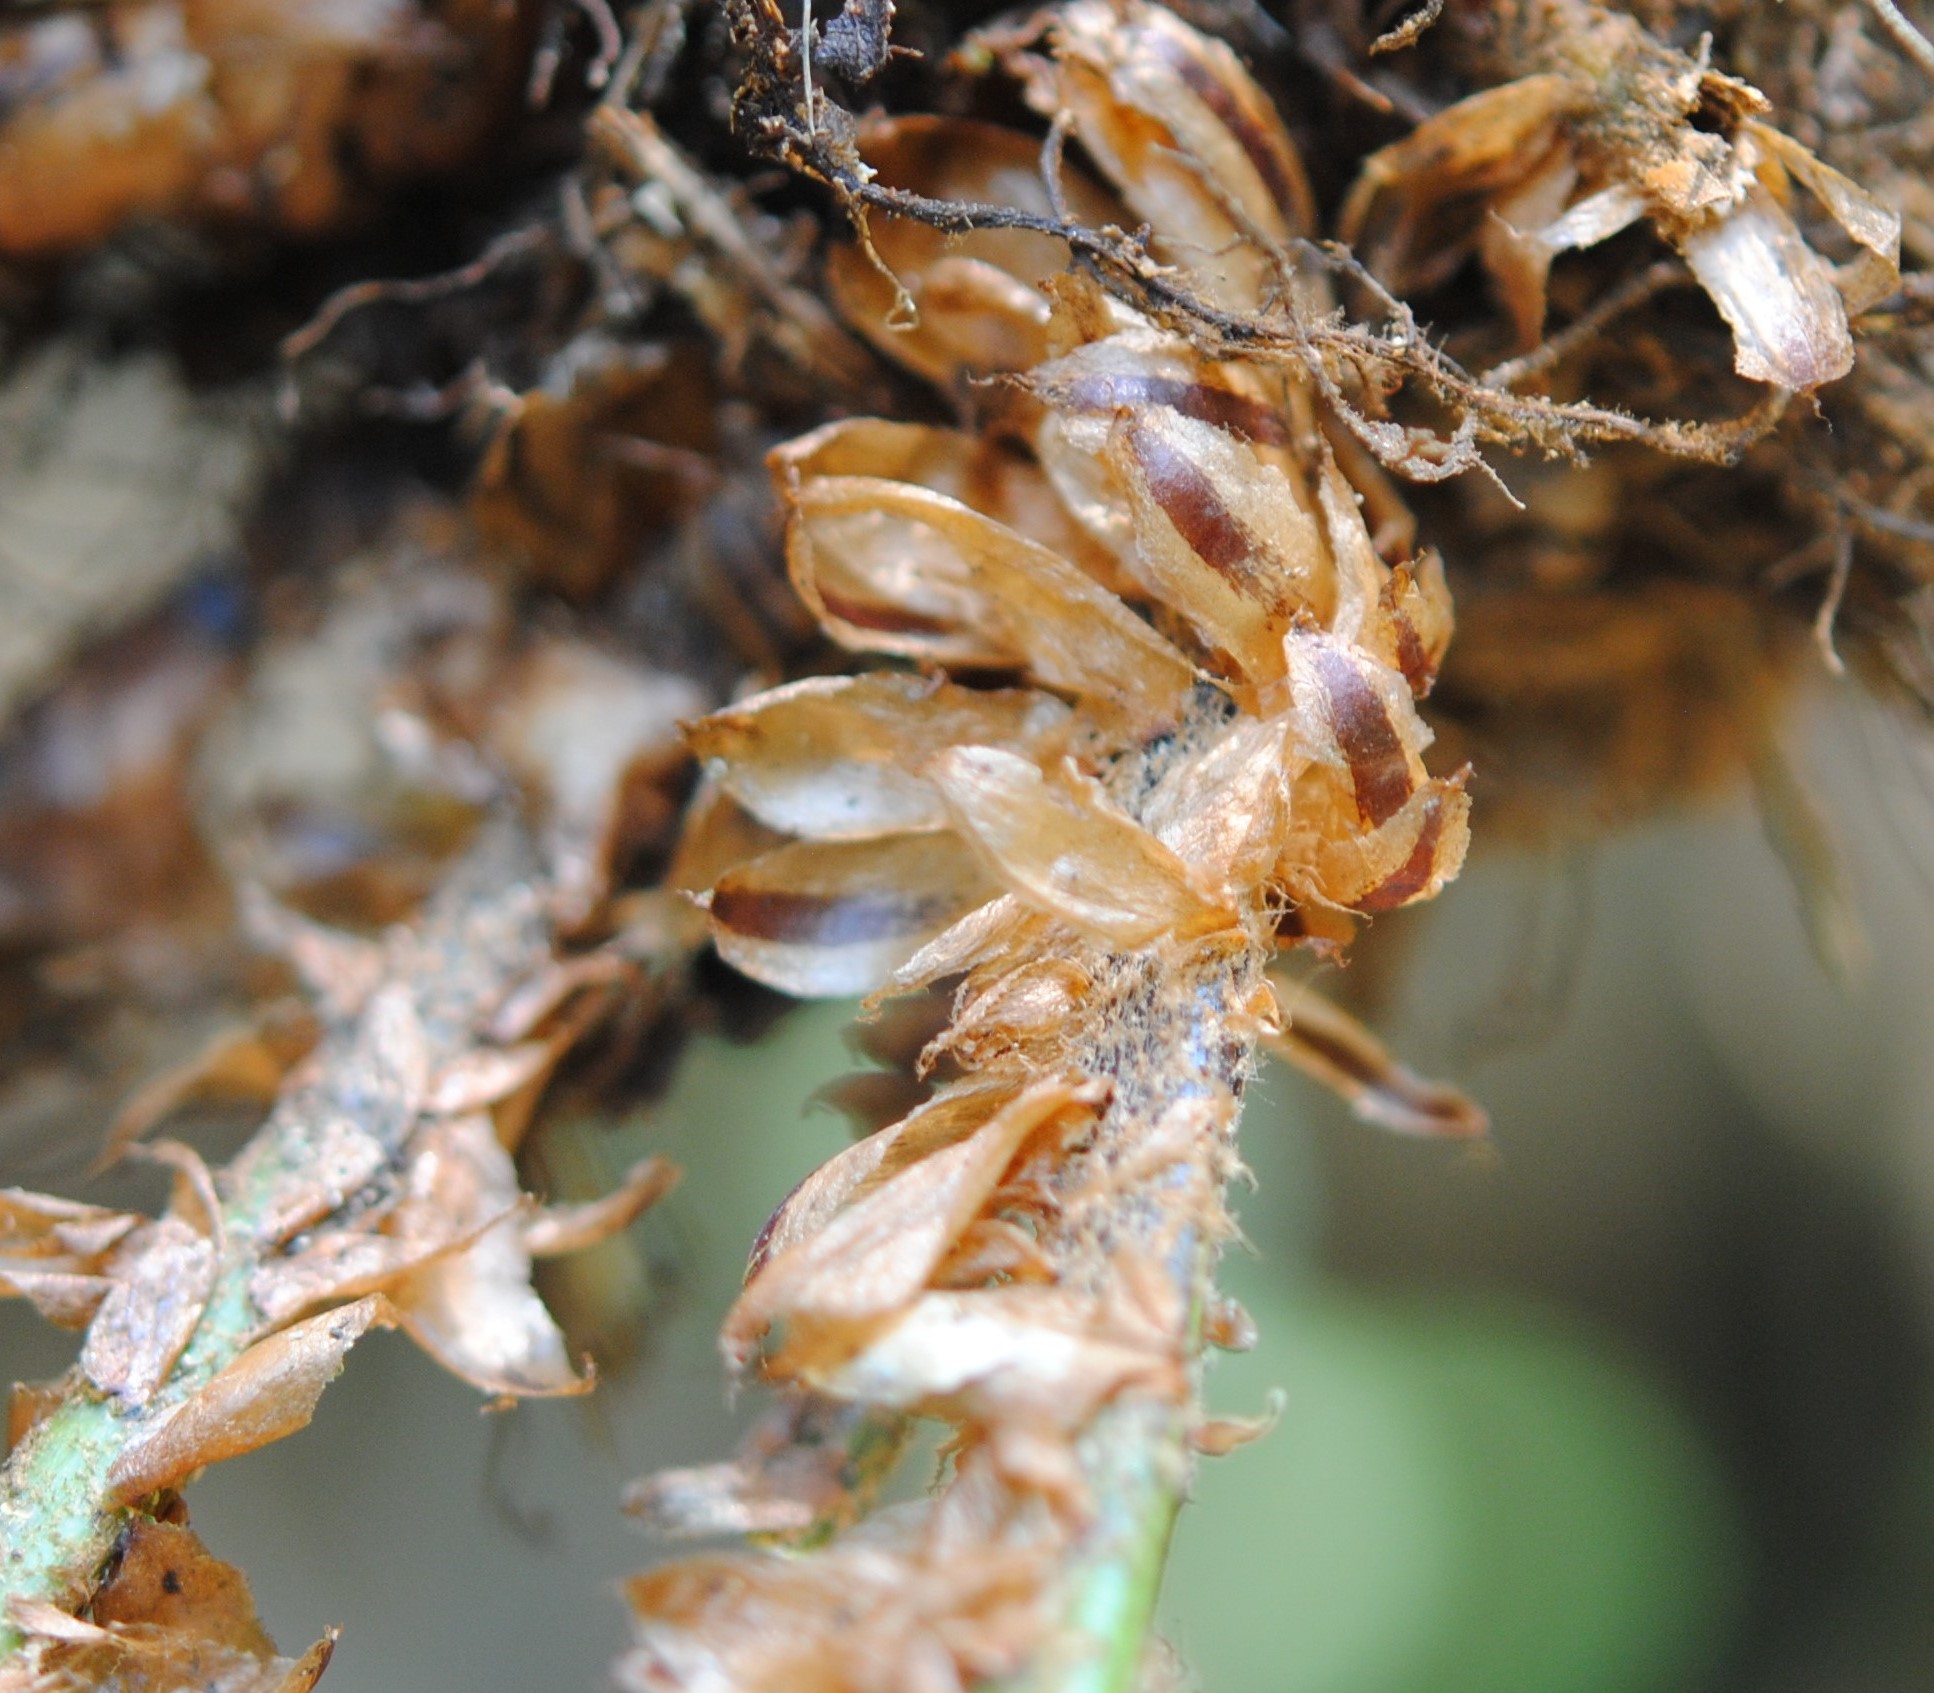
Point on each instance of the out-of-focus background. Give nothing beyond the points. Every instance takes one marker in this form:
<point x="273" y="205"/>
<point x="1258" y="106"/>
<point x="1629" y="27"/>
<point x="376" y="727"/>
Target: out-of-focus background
<point x="1636" y="1398"/>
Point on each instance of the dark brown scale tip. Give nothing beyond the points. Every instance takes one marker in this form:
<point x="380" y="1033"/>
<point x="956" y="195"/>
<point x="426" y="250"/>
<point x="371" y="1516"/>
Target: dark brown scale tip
<point x="1189" y="500"/>
<point x="1379" y="772"/>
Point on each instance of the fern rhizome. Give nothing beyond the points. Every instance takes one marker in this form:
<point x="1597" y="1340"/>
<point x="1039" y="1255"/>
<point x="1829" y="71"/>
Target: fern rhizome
<point x="1108" y="714"/>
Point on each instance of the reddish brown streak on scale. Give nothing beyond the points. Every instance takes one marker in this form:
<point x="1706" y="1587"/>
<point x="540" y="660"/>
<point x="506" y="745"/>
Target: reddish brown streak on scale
<point x="1250" y="135"/>
<point x="1202" y="401"/>
<point x="1378" y="770"/>
<point x="1189" y="500"/>
<point x="1414" y="875"/>
<point x="777" y="915"/>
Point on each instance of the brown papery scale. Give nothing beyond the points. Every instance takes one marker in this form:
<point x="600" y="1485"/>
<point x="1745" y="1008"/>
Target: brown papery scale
<point x="1206" y="737"/>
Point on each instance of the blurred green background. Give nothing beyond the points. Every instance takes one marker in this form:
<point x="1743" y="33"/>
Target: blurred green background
<point x="1634" y="1400"/>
